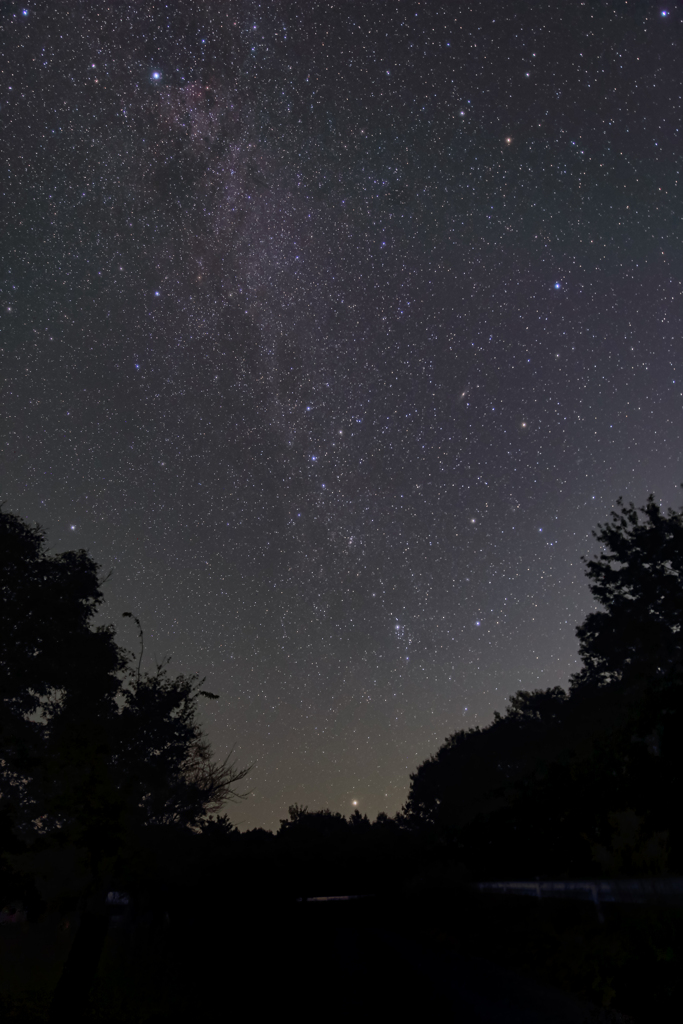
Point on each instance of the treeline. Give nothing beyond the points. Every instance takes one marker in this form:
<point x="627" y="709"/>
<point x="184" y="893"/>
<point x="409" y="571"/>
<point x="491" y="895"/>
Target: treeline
<point x="107" y="783"/>
<point x="576" y="782"/>
<point x="584" y="781"/>
<point x="92" y="749"/>
<point x="97" y="758"/>
<point x="100" y="757"/>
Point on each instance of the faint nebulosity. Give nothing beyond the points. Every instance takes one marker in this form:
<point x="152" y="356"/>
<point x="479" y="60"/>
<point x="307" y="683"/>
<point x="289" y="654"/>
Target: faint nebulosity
<point x="332" y="329"/>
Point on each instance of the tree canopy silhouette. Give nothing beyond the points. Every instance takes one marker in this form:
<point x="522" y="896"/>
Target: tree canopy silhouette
<point x="638" y="580"/>
<point x="565" y="780"/>
<point x="93" y="750"/>
<point x="90" y="745"/>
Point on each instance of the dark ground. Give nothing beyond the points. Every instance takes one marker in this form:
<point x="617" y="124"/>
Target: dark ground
<point x="479" y="960"/>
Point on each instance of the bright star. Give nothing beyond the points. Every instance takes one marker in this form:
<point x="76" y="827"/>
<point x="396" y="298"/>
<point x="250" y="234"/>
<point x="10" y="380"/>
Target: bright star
<point x="156" y="74"/>
<point x="557" y="284"/>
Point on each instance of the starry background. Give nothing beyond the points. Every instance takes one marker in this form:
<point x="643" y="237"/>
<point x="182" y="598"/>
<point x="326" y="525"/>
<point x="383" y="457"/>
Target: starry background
<point x="331" y="330"/>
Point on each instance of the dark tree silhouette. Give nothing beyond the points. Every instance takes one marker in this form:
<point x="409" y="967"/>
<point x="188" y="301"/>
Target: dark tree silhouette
<point x="88" y="742"/>
<point x="92" y="749"/>
<point x="166" y="767"/>
<point x="58" y="683"/>
<point x="638" y="580"/>
<point x="567" y="781"/>
<point x="473" y="771"/>
<point x="304" y="825"/>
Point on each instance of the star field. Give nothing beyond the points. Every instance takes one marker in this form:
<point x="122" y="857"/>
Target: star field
<point x="331" y="330"/>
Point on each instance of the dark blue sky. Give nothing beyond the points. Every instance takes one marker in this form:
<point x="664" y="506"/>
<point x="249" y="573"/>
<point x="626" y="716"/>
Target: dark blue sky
<point x="332" y="330"/>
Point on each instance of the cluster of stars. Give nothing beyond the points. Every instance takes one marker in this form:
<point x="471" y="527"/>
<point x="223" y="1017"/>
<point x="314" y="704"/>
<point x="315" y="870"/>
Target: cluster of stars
<point x="303" y="353"/>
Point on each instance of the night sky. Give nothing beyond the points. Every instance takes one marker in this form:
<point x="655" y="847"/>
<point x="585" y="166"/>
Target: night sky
<point x="331" y="330"/>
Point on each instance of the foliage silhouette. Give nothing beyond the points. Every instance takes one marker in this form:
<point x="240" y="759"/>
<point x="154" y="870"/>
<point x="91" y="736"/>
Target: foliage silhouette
<point x="585" y="780"/>
<point x="106" y="776"/>
<point x="89" y="742"/>
<point x="93" y="750"/>
<point x="638" y="580"/>
<point x="59" y="679"/>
